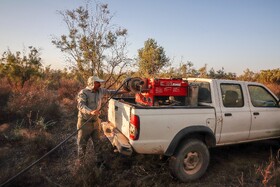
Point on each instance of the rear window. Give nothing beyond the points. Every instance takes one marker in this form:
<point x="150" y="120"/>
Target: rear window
<point x="232" y="95"/>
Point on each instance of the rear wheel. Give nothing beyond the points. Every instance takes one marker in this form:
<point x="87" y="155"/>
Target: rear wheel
<point x="190" y="161"/>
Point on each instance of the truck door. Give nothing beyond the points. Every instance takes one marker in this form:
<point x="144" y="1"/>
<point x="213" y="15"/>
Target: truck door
<point x="265" y="113"/>
<point x="235" y="114"/>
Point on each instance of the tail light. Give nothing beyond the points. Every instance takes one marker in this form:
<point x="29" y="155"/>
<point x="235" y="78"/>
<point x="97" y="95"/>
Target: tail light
<point x="134" y="127"/>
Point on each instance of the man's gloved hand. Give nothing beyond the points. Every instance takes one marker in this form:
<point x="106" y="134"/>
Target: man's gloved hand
<point x="95" y="112"/>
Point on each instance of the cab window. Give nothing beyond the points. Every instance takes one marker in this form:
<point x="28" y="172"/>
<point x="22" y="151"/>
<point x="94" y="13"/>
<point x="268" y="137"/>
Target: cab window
<point x="204" y="92"/>
<point x="260" y="97"/>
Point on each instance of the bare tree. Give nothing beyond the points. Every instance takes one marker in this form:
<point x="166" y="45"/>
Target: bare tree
<point x="93" y="45"/>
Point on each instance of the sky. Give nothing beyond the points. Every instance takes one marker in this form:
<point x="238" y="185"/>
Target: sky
<point x="230" y="34"/>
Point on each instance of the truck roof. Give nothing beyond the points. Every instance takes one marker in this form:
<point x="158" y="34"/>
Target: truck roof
<point x="193" y="79"/>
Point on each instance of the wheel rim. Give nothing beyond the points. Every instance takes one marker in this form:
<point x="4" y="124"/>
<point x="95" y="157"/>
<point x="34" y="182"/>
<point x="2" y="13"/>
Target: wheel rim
<point x="192" y="162"/>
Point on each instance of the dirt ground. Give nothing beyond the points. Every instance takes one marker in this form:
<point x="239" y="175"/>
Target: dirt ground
<point x="238" y="165"/>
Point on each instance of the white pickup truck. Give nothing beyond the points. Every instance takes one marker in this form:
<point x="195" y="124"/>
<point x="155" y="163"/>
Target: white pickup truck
<point x="220" y="112"/>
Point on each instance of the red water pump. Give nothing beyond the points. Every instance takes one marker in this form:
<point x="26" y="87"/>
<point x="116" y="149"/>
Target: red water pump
<point x="159" y="91"/>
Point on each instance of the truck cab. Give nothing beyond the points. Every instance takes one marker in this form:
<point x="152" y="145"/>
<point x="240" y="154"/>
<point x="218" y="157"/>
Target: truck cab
<point x="245" y="111"/>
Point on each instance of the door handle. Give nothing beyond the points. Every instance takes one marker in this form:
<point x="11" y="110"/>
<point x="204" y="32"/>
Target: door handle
<point x="228" y="114"/>
<point x="256" y="113"/>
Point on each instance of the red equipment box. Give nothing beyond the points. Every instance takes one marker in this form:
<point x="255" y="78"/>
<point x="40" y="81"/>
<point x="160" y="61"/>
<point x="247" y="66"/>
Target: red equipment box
<point x="161" y="89"/>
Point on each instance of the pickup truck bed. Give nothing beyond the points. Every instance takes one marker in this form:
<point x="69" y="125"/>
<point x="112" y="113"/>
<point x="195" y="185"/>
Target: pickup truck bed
<point x="152" y="115"/>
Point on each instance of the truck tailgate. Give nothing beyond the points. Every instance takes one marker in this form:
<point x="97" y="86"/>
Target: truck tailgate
<point x="119" y="115"/>
<point x="116" y="138"/>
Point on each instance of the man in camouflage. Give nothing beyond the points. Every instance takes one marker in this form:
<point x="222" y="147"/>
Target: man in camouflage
<point x="89" y="105"/>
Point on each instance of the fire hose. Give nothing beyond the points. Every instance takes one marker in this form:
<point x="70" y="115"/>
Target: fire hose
<point x="62" y="142"/>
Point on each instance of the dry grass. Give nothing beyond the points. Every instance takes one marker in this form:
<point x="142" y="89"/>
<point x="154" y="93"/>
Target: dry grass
<point x="270" y="171"/>
<point x="33" y="102"/>
<point x="240" y="165"/>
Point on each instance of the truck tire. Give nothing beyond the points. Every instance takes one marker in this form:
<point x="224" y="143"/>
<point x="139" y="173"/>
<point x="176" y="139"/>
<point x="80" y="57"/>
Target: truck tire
<point x="190" y="161"/>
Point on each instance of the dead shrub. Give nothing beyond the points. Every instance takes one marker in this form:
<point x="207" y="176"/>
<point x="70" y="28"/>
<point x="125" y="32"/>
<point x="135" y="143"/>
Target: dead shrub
<point x="32" y="102"/>
<point x="68" y="89"/>
<point x="5" y="91"/>
<point x="67" y="93"/>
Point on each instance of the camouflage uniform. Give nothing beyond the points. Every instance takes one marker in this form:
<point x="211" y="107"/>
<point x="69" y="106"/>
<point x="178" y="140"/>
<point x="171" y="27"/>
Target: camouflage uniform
<point x="89" y="100"/>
